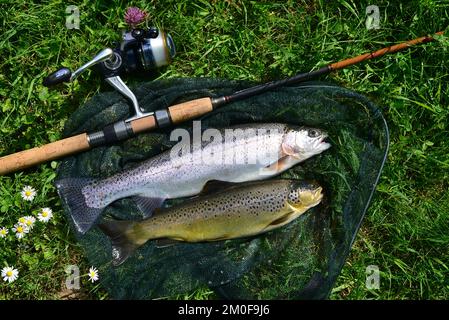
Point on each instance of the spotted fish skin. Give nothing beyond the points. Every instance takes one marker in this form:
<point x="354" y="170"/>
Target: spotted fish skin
<point x="239" y="211"/>
<point x="255" y="152"/>
<point x="156" y="176"/>
<point x="166" y="177"/>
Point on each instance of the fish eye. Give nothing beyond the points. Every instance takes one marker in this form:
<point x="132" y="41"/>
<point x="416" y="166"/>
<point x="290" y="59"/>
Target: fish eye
<point x="313" y="133"/>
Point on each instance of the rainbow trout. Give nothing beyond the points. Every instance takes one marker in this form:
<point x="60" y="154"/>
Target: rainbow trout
<point x="246" y="153"/>
<point x="238" y="211"/>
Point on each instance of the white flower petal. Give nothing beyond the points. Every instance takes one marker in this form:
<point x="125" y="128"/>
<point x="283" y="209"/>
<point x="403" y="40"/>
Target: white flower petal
<point x="9" y="274"/>
<point x="93" y="274"/>
<point x="3" y="232"/>
<point x="45" y="215"/>
<point x="28" y="193"/>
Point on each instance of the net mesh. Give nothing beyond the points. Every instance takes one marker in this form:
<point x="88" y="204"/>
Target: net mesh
<point x="298" y="261"/>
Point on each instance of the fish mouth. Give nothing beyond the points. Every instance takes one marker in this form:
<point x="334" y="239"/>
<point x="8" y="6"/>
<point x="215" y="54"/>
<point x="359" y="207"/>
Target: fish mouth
<point x="323" y="142"/>
<point x="324" y="136"/>
<point x="318" y="194"/>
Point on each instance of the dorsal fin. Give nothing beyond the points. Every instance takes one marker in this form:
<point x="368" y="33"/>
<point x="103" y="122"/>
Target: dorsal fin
<point x="213" y="186"/>
<point x="157" y="211"/>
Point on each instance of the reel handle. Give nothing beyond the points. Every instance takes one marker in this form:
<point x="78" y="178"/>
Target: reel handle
<point x="65" y="75"/>
<point x="57" y="77"/>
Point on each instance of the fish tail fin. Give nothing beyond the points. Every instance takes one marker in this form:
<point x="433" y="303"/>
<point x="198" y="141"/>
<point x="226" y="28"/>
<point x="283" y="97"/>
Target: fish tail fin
<point x="83" y="216"/>
<point x="122" y="244"/>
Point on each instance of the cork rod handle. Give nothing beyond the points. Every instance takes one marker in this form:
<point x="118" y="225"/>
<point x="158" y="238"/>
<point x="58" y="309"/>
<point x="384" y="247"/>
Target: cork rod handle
<point x="178" y="113"/>
<point x="24" y="159"/>
<point x="72" y="145"/>
<point x="190" y="109"/>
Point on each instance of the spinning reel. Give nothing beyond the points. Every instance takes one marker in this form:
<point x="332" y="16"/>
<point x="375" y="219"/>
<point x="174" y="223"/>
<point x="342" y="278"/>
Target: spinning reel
<point x="141" y="50"/>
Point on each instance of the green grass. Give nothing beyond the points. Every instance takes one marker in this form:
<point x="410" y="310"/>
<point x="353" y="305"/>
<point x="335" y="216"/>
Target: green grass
<point x="406" y="230"/>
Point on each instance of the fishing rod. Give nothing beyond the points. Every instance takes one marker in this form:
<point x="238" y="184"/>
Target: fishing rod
<point x="144" y="50"/>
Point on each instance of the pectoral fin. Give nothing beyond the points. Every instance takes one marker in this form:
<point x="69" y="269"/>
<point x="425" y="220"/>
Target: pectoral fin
<point x="281" y="165"/>
<point x="299" y="208"/>
<point x="287" y="150"/>
<point x="282" y="221"/>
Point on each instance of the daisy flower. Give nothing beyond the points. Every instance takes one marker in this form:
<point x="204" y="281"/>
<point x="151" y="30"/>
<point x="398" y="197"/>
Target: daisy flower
<point x="22" y="221"/>
<point x="28" y="193"/>
<point x="45" y="215"/>
<point x="10" y="274"/>
<point x="20" y="230"/>
<point x="3" y="232"/>
<point x="93" y="274"/>
<point x="29" y="222"/>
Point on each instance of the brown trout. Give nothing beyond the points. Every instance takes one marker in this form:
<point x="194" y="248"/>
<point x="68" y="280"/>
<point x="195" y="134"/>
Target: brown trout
<point x="241" y="210"/>
<point x="254" y="152"/>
